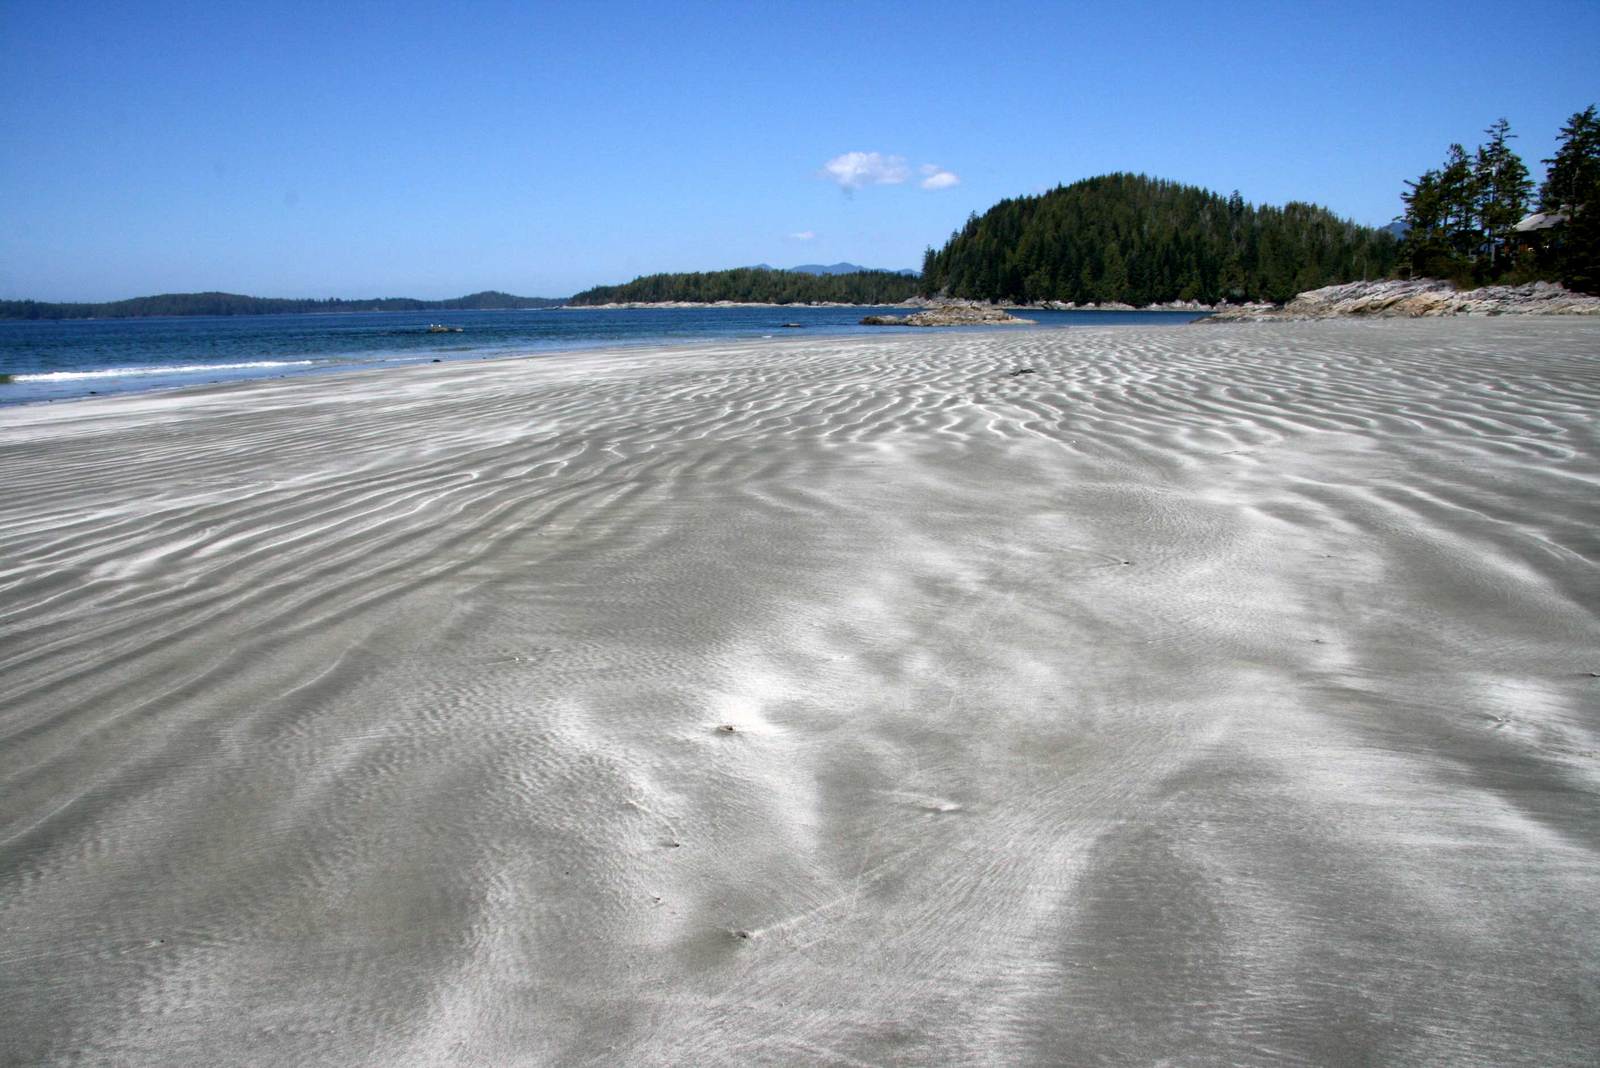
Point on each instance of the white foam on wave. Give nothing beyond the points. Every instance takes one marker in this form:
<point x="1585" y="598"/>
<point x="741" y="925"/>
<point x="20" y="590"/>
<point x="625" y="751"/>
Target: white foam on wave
<point x="175" y="369"/>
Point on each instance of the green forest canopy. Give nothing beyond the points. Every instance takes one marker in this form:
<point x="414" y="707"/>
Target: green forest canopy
<point x="1142" y="240"/>
<point x="758" y="285"/>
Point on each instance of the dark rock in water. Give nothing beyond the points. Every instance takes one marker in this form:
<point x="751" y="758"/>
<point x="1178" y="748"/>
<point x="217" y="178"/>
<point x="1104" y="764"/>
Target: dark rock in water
<point x="948" y="315"/>
<point x="438" y="361"/>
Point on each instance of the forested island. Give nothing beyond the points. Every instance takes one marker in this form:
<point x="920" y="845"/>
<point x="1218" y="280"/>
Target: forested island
<point x="234" y="304"/>
<point x="1140" y="240"/>
<point x="757" y="285"/>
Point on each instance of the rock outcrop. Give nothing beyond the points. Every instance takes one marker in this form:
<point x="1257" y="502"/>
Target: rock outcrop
<point x="1117" y="305"/>
<point x="948" y="315"/>
<point x="1422" y="297"/>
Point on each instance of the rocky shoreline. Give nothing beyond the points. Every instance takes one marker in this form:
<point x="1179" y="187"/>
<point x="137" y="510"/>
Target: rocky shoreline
<point x="1117" y="305"/>
<point x="1414" y="299"/>
<point x="1386" y="299"/>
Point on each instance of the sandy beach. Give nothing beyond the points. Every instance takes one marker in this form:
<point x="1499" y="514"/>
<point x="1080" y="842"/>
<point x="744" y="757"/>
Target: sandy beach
<point x="1219" y="695"/>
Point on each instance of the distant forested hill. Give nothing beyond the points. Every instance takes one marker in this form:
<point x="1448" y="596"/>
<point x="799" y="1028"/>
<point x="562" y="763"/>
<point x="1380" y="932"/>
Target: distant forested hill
<point x="233" y="304"/>
<point x="759" y="286"/>
<point x="1140" y="240"/>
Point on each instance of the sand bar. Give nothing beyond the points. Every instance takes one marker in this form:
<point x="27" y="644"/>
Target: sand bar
<point x="1205" y="696"/>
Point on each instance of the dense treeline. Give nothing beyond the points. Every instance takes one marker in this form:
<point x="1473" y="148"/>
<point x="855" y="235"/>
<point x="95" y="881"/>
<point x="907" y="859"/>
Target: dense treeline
<point x="1141" y="240"/>
<point x="233" y="304"/>
<point x="1463" y="215"/>
<point x="757" y="285"/>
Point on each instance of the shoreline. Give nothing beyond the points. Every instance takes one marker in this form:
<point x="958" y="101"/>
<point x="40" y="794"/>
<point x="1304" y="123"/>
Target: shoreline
<point x="62" y="382"/>
<point x="1387" y="298"/>
<point x="645" y="350"/>
<point x="389" y="366"/>
<point x="918" y="302"/>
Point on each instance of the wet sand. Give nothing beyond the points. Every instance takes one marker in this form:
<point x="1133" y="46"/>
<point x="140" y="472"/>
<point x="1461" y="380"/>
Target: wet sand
<point x="1206" y="696"/>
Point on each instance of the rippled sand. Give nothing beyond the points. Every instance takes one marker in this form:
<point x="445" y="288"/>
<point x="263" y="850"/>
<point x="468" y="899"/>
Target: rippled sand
<point x="1207" y="696"/>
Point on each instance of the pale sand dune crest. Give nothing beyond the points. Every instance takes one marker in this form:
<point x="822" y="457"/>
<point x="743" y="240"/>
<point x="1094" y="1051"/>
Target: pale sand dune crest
<point x="1206" y="696"/>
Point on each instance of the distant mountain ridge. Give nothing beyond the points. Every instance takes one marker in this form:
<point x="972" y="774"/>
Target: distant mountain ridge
<point x="836" y="268"/>
<point x="213" y="303"/>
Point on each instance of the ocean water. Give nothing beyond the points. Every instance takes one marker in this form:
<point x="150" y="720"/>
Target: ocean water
<point x="45" y="360"/>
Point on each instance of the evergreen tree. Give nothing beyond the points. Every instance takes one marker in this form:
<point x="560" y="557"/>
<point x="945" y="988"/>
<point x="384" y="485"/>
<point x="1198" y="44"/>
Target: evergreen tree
<point x="1114" y="277"/>
<point x="1502" y="186"/>
<point x="1572" y="187"/>
<point x="1574" y="172"/>
<point x="1458" y="196"/>
<point x="1461" y="218"/>
<point x="1424" y="219"/>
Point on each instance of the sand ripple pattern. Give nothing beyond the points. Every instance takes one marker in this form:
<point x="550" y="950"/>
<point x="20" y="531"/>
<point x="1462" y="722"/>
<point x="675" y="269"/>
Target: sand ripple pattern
<point x="1218" y="696"/>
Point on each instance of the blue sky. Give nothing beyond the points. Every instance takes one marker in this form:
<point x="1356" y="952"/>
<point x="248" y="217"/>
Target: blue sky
<point x="433" y="150"/>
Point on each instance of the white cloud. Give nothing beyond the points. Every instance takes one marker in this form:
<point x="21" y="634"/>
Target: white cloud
<point x="938" y="177"/>
<point x="803" y="235"/>
<point x="856" y="169"/>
